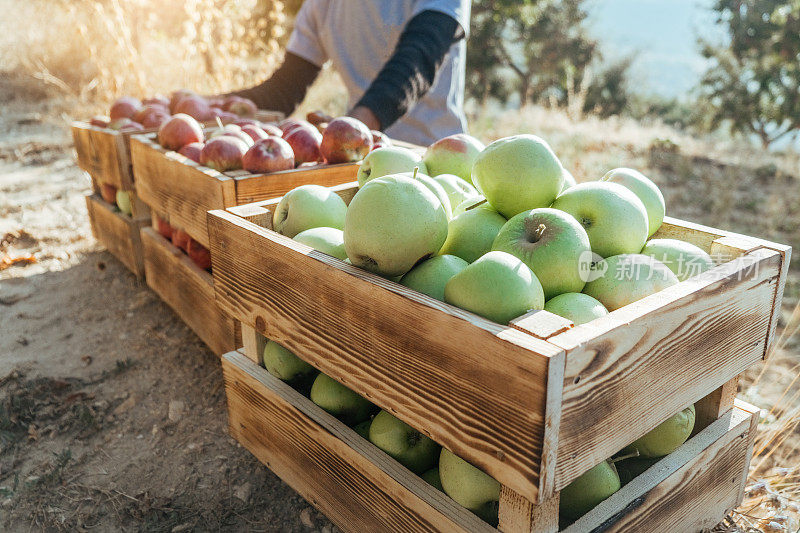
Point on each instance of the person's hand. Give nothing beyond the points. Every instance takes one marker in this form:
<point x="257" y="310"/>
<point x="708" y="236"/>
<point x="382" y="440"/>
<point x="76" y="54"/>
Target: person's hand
<point x="365" y="115"/>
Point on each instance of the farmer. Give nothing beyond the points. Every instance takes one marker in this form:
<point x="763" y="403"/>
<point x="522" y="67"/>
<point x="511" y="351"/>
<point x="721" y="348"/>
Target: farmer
<point x="401" y="60"/>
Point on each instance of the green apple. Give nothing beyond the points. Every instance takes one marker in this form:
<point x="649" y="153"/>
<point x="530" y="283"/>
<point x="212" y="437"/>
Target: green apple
<point x="633" y="467"/>
<point x="517" y="174"/>
<point x="569" y="180"/>
<point x="124" y="202"/>
<point x="388" y="160"/>
<point x="467" y="485"/>
<point x="552" y="244"/>
<point x="362" y="428"/>
<point x="409" y="447"/>
<point x="588" y="490"/>
<point x="476" y="202"/>
<point x="684" y="259"/>
<point x="456" y="188"/>
<point x="614" y="217"/>
<point x="626" y="278"/>
<point x="666" y="437"/>
<point x="575" y="306"/>
<point x="431" y="477"/>
<point x="393" y="223"/>
<point x="306" y="207"/>
<point x="327" y="240"/>
<point x="340" y="401"/>
<point x="497" y="286"/>
<point x="434" y="187"/>
<point x="430" y="276"/>
<point x="647" y="191"/>
<point x="472" y="233"/>
<point x="283" y="364"/>
<point x="453" y="155"/>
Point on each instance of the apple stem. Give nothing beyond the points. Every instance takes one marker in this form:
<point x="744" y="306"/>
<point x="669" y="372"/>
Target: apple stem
<point x="416" y="170"/>
<point x="631" y="455"/>
<point x="476" y="204"/>
<point x="219" y="123"/>
<point x="540" y="231"/>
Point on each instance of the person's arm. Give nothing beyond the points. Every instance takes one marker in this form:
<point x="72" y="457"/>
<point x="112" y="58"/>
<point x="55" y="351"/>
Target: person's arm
<point x="409" y="74"/>
<point x="286" y="88"/>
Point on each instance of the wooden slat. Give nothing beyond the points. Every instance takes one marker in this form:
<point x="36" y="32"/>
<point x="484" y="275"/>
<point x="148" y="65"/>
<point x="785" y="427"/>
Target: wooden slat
<point x="119" y="233"/>
<point x="518" y="515"/>
<point x="189" y="291"/>
<point x="253" y="343"/>
<point x="542" y="324"/>
<point x="104" y="154"/>
<point x="172" y="184"/>
<point x="253" y="188"/>
<point x="688" y="491"/>
<point x="715" y="405"/>
<point x="634" y="368"/>
<point x="355" y="484"/>
<point x="476" y="387"/>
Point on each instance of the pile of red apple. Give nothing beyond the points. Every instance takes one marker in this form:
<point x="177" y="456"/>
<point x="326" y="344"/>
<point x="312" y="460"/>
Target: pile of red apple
<point x="131" y="114"/>
<point x="262" y="148"/>
<point x="199" y="254"/>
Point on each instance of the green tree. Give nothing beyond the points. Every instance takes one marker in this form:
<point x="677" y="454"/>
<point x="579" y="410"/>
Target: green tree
<point x="753" y="83"/>
<point x="538" y="49"/>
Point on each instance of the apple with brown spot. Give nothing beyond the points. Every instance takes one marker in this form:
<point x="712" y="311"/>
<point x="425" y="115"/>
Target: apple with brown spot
<point x="345" y="140"/>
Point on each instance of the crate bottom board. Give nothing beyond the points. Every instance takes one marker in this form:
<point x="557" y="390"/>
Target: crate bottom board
<point x="119" y="233"/>
<point x="360" y="488"/>
<point x="189" y="291"/>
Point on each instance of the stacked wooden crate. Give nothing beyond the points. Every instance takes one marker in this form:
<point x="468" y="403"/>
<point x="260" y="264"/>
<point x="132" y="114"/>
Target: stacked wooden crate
<point x="180" y="192"/>
<point x="105" y="155"/>
<point x="534" y="403"/>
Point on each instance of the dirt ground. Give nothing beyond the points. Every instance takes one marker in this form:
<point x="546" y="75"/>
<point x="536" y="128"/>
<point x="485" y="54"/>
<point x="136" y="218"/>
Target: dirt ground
<point x="112" y="412"/>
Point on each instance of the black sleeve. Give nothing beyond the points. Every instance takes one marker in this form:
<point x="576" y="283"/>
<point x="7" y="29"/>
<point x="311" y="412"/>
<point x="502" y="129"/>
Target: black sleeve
<point x="286" y="88"/>
<point x="409" y="73"/>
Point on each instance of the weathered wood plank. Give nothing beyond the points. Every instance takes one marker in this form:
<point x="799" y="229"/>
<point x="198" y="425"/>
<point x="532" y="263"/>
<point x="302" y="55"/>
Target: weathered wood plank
<point x="473" y="385"/>
<point x="104" y="153"/>
<point x="253" y="344"/>
<point x="354" y="483"/>
<point x="118" y="232"/>
<point x="639" y="365"/>
<point x="688" y="491"/>
<point x="518" y="515"/>
<point x="542" y="324"/>
<point x="713" y="406"/>
<point x="189" y="291"/>
<point x="253" y="188"/>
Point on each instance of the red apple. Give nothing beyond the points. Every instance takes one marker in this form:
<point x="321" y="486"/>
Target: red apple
<point x="380" y="139"/>
<point x="272" y="154"/>
<point x="287" y="123"/>
<point x="152" y="116"/>
<point x="179" y="131"/>
<point x="109" y="193"/>
<point x="179" y="95"/>
<point x="296" y="124"/>
<point x="223" y="153"/>
<point x="272" y="129"/>
<point x="163" y="228"/>
<point x="125" y="107"/>
<point x="132" y="126"/>
<point x="318" y="117"/>
<point x="227" y="117"/>
<point x="241" y="122"/>
<point x="192" y="151"/>
<point x="194" y="106"/>
<point x="254" y="132"/>
<point x="125" y="124"/>
<point x="233" y="130"/>
<point x="241" y="106"/>
<point x="99" y="121"/>
<point x="322" y="126"/>
<point x="199" y="254"/>
<point x="180" y="239"/>
<point x="305" y="143"/>
<point x="345" y="139"/>
<point x="158" y="99"/>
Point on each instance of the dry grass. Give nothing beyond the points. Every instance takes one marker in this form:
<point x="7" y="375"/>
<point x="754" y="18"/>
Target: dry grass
<point x="97" y="50"/>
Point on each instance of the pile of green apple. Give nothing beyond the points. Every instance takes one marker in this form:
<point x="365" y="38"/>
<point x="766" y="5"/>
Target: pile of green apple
<point x="499" y="230"/>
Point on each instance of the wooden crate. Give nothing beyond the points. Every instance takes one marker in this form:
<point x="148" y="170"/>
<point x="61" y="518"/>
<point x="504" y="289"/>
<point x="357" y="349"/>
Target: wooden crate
<point x="118" y="232"/>
<point x="362" y="489"/>
<point x="534" y="403"/>
<point x="105" y="154"/>
<point x="184" y="190"/>
<point x="189" y="291"/>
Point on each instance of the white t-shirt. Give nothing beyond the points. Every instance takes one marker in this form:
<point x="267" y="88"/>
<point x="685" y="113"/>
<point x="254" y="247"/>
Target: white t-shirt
<point x="359" y="37"/>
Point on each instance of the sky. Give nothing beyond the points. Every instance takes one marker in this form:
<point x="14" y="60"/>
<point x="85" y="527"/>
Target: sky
<point x="661" y="34"/>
